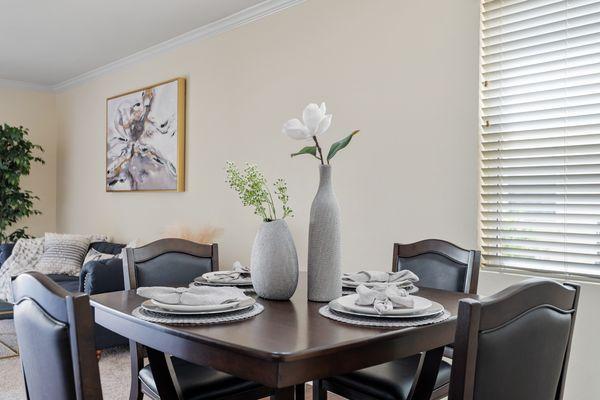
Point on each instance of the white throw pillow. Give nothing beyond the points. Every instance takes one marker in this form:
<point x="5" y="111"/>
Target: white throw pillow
<point x="63" y="254"/>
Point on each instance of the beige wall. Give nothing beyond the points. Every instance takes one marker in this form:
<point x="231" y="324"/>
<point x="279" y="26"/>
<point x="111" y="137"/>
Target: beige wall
<point x="37" y="111"/>
<point x="403" y="72"/>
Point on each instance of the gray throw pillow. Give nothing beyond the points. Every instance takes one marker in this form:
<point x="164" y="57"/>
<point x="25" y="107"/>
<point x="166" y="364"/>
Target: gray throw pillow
<point x="63" y="254"/>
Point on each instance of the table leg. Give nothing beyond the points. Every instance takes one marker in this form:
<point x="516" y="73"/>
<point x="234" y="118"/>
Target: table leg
<point x="427" y="374"/>
<point x="286" y="393"/>
<point x="164" y="374"/>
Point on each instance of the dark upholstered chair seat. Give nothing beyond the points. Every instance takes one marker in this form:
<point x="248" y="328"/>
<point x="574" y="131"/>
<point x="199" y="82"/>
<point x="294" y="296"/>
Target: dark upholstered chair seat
<point x="392" y="380"/>
<point x="67" y="282"/>
<point x="199" y="382"/>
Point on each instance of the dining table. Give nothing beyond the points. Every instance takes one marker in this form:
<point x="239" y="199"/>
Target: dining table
<point x="283" y="347"/>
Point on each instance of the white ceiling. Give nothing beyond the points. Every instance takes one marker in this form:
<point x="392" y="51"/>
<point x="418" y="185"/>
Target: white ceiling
<point x="48" y="43"/>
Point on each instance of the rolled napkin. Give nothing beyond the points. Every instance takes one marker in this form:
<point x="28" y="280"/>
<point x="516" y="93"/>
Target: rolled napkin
<point x="383" y="298"/>
<point x="167" y="295"/>
<point x="195" y="295"/>
<point x="380" y="277"/>
<point x="239" y="271"/>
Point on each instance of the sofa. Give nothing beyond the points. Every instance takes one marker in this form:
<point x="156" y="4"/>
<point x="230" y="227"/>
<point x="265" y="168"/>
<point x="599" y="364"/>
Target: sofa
<point x="95" y="277"/>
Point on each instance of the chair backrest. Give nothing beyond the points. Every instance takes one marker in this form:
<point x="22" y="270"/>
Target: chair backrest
<point x="56" y="340"/>
<point x="516" y="344"/>
<point x="168" y="262"/>
<point x="439" y="264"/>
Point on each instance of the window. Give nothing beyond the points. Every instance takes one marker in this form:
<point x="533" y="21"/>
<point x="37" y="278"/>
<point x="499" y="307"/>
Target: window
<point x="540" y="113"/>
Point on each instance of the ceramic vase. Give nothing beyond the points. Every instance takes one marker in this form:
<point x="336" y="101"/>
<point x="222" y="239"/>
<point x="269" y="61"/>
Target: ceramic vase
<point x="324" y="242"/>
<point x="274" y="262"/>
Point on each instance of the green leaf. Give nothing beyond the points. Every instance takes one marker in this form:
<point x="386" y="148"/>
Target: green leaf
<point x="339" y="145"/>
<point x="17" y="153"/>
<point x="312" y="150"/>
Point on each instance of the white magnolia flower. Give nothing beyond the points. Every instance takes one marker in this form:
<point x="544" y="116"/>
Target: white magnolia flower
<point x="315" y="122"/>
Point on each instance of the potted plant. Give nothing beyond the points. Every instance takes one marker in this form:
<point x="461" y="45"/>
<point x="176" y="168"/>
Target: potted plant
<point x="16" y="158"/>
<point x="274" y="261"/>
<point x="324" y="234"/>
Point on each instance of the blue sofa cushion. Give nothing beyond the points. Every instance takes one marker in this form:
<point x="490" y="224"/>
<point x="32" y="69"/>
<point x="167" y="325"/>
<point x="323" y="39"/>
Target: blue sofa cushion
<point x="101" y="276"/>
<point x="5" y="251"/>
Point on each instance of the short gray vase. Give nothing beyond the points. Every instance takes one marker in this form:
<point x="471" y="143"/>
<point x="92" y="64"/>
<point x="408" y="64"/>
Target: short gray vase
<point x="324" y="242"/>
<point x="274" y="261"/>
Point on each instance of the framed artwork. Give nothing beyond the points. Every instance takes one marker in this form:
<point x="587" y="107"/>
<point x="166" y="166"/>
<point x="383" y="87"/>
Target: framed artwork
<point x="145" y="139"/>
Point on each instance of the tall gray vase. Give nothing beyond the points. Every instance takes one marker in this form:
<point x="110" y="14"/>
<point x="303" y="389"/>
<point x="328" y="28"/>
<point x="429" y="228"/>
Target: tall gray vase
<point x="324" y="242"/>
<point x="274" y="261"/>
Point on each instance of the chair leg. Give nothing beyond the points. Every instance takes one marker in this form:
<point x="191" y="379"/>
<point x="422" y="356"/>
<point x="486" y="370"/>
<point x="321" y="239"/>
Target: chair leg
<point x="318" y="391"/>
<point x="426" y="374"/>
<point x="163" y="372"/>
<point x="300" y="392"/>
<point x="137" y="360"/>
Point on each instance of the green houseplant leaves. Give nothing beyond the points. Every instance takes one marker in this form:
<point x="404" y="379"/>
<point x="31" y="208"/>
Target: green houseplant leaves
<point x="16" y="157"/>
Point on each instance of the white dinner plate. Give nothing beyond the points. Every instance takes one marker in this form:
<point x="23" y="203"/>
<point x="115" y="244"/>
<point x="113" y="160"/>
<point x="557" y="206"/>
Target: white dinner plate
<point x="212" y="307"/>
<point x="435" y="309"/>
<point x="349" y="303"/>
<point x="148" y="305"/>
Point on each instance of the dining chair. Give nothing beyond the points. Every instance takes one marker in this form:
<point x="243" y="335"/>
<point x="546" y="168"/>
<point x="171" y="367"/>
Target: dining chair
<point x="176" y="262"/>
<point x="515" y="344"/>
<point x="55" y="332"/>
<point x="439" y="265"/>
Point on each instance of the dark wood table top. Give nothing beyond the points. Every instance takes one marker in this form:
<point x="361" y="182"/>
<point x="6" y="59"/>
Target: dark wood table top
<point x="288" y="343"/>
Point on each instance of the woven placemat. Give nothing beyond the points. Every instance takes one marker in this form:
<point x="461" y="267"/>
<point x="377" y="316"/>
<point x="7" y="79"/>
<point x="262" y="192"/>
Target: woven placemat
<point x="170" y="319"/>
<point x="382" y="322"/>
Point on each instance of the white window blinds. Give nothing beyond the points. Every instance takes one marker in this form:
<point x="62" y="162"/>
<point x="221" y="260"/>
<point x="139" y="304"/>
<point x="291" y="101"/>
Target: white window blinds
<point x="540" y="112"/>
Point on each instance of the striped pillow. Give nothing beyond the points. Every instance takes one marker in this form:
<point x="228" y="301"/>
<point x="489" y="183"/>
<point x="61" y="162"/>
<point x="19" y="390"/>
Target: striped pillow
<point x="63" y="254"/>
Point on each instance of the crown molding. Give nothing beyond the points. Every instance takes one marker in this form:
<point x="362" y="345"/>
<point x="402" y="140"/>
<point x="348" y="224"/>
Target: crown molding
<point x="7" y="83"/>
<point x="228" y="23"/>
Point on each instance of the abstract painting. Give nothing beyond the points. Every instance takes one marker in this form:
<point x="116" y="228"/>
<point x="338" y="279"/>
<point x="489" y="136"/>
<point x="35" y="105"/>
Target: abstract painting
<point x="145" y="134"/>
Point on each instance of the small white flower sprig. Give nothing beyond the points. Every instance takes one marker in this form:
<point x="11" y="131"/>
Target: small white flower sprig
<point x="253" y="190"/>
<point x="315" y="122"/>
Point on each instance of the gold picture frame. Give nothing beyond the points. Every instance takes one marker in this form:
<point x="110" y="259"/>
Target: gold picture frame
<point x="135" y="161"/>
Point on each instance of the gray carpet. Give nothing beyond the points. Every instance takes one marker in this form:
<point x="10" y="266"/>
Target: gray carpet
<point x="8" y="339"/>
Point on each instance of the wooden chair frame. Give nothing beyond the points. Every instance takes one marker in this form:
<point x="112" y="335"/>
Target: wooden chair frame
<point x="72" y="309"/>
<point x="132" y="256"/>
<point x="500" y="309"/>
<point x="470" y="258"/>
<point x="426" y="368"/>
